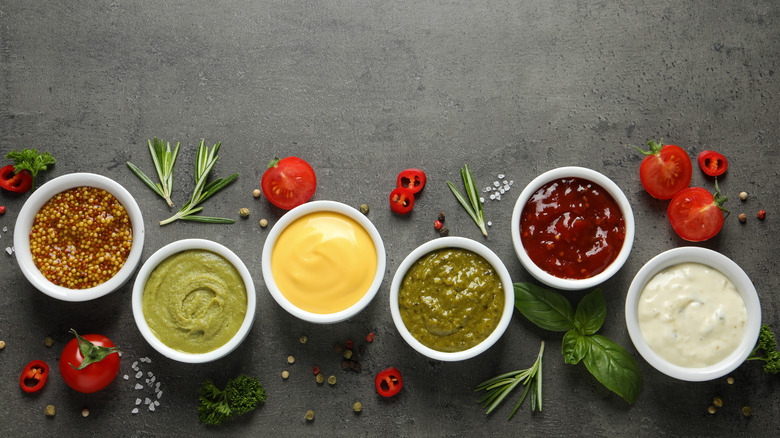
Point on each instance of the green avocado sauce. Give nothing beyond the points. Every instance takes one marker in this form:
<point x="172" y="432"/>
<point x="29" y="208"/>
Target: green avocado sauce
<point x="195" y="301"/>
<point x="451" y="299"/>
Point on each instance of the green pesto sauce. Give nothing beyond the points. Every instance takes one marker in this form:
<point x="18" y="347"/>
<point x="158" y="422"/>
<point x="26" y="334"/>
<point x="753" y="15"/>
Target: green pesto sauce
<point x="451" y="299"/>
<point x="195" y="301"/>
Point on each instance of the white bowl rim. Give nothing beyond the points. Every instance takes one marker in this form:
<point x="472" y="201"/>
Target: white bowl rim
<point x="608" y="185"/>
<point x="303" y="210"/>
<point x="716" y="261"/>
<point x="461" y="243"/>
<point x="175" y="248"/>
<point x="34" y="203"/>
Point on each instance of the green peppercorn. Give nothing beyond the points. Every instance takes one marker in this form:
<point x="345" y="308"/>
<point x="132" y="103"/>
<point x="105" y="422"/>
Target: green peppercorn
<point x="364" y="208"/>
<point x="357" y="407"/>
<point x="332" y="380"/>
<point x="320" y="378"/>
<point x="309" y="415"/>
<point x="244" y="212"/>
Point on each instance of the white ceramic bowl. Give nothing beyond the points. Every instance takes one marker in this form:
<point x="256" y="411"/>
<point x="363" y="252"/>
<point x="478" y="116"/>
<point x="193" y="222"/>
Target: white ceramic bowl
<point x="138" y="293"/>
<point x="734" y="273"/>
<point x="617" y="195"/>
<point x="39" y="197"/>
<point x="462" y="243"/>
<point x="290" y="217"/>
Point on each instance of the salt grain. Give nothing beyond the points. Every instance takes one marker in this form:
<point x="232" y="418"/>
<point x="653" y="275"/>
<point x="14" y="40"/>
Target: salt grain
<point x="501" y="176"/>
<point x="151" y="407"/>
<point x="139" y="374"/>
<point x="9" y="250"/>
<point x="5" y="229"/>
<point x="490" y="224"/>
<point x="156" y="403"/>
<point x="125" y="377"/>
<point x="137" y="401"/>
<point x="150" y="374"/>
<point x="135" y="411"/>
<point x="139" y="386"/>
<point x="482" y="200"/>
<point x="159" y="394"/>
<point x="134" y="366"/>
<point x="147" y="400"/>
<point x="496" y="183"/>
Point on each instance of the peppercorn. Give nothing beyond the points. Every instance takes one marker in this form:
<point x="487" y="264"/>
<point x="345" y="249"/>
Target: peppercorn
<point x="332" y="380"/>
<point x="761" y="214"/>
<point x="285" y="374"/>
<point x="717" y="402"/>
<point x="309" y="415"/>
<point x="357" y="407"/>
<point x="244" y="212"/>
<point x="50" y="411"/>
<point x="370" y="337"/>
<point x="711" y="409"/>
<point x="256" y="193"/>
<point x="742" y="217"/>
<point x="320" y="378"/>
<point x="743" y="195"/>
<point x="263" y="223"/>
<point x="2" y="209"/>
<point x="85" y="412"/>
<point x="349" y="344"/>
<point x="437" y="224"/>
<point x="364" y="208"/>
<point x="444" y="231"/>
<point x="290" y="359"/>
<point x="441" y="217"/>
<point x="315" y="370"/>
<point x="355" y="366"/>
<point x="304" y="339"/>
<point x="48" y="341"/>
<point x="348" y="354"/>
<point x="344" y="365"/>
<point x="747" y="411"/>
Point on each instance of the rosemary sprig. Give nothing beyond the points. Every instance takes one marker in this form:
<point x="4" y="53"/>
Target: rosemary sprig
<point x="163" y="160"/>
<point x="500" y="386"/>
<point x="475" y="209"/>
<point x="204" y="163"/>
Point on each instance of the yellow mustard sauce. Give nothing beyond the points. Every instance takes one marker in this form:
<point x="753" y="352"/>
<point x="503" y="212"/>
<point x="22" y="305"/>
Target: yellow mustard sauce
<point x="324" y="262"/>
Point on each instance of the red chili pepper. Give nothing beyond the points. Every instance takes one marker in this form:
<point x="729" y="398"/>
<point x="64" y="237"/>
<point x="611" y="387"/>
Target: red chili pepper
<point x="388" y="382"/>
<point x="401" y="200"/>
<point x="713" y="163"/>
<point x="15" y="182"/>
<point x="34" y="376"/>
<point x="412" y="179"/>
<point x="370" y="337"/>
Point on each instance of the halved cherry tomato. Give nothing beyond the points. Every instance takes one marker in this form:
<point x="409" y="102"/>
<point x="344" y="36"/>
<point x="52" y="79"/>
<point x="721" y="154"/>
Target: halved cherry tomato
<point x="289" y="182"/>
<point x="34" y="376"/>
<point x="412" y="179"/>
<point x="713" y="163"/>
<point x="665" y="170"/>
<point x="695" y="214"/>
<point x="15" y="182"/>
<point x="388" y="382"/>
<point x="401" y="200"/>
<point x="89" y="363"/>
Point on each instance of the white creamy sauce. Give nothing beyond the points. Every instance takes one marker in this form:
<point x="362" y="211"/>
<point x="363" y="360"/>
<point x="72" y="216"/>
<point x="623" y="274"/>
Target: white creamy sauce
<point x="691" y="315"/>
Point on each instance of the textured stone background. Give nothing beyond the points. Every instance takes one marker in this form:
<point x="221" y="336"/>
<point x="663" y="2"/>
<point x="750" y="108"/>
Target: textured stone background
<point x="362" y="90"/>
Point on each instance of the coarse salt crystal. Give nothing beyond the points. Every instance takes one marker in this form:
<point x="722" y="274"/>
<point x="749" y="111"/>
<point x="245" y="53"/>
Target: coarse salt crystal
<point x="507" y="187"/>
<point x="490" y="224"/>
<point x="151" y="407"/>
<point x="150" y="374"/>
<point x="139" y="374"/>
<point x="487" y="189"/>
<point x="137" y="401"/>
<point x="125" y="377"/>
<point x="134" y="366"/>
<point x="496" y="183"/>
<point x="157" y="403"/>
<point x="511" y="182"/>
<point x="482" y="200"/>
<point x="493" y="196"/>
<point x="135" y="411"/>
<point x="147" y="400"/>
<point x="159" y="394"/>
<point x="501" y="191"/>
<point x="139" y="386"/>
<point x="5" y="229"/>
<point x="9" y="250"/>
<point x="500" y="176"/>
<point x="152" y="379"/>
<point x="498" y="196"/>
<point x="505" y="182"/>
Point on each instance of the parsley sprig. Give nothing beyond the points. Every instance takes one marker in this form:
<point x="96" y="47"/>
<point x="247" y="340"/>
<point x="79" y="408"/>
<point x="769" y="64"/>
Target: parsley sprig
<point x="30" y="160"/>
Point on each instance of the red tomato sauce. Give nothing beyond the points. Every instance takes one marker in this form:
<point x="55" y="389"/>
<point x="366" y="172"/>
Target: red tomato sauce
<point x="572" y="228"/>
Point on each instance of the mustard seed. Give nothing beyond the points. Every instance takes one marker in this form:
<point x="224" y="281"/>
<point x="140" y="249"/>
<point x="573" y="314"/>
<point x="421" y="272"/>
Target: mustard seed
<point x="244" y="212"/>
<point x="304" y="339"/>
<point x="717" y="402"/>
<point x="747" y="411"/>
<point x="263" y="222"/>
<point x="711" y="409"/>
<point x="48" y="341"/>
<point x="2" y="345"/>
<point x="331" y="379"/>
<point x="85" y="412"/>
<point x="357" y="407"/>
<point x="49" y="411"/>
<point x="743" y="195"/>
<point x="309" y="415"/>
<point x="320" y="378"/>
<point x="730" y="380"/>
<point x="742" y="217"/>
<point x="290" y="359"/>
<point x="285" y="374"/>
<point x="256" y="193"/>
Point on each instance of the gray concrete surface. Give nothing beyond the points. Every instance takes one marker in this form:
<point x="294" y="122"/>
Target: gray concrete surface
<point x="362" y="90"/>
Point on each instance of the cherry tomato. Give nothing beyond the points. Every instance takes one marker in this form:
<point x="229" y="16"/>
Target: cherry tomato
<point x="15" y="182"/>
<point x="412" y="179"/>
<point x="34" y="376"/>
<point x="388" y="382"/>
<point x="713" y="163"/>
<point x="102" y="363"/>
<point x="695" y="214"/>
<point x="289" y="182"/>
<point x="665" y="170"/>
<point x="401" y="200"/>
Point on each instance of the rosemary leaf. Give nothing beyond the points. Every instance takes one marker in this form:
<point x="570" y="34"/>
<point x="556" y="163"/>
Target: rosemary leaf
<point x="140" y="174"/>
<point x="473" y="205"/>
<point x="499" y="387"/>
<point x="163" y="159"/>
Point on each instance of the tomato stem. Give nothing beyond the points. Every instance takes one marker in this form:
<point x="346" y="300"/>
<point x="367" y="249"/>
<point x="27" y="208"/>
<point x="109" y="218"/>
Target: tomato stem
<point x="92" y="353"/>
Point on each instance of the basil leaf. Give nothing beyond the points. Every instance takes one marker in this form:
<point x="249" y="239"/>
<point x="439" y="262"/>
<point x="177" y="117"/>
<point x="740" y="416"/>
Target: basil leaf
<point x="574" y="347"/>
<point x="591" y="313"/>
<point x="545" y="308"/>
<point x="611" y="365"/>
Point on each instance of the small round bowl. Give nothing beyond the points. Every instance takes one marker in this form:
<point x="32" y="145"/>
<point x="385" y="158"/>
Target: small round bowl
<point x="290" y="217"/>
<point x="138" y="293"/>
<point x="734" y="273"/>
<point x="462" y="243"/>
<point x="617" y="195"/>
<point x="39" y="197"/>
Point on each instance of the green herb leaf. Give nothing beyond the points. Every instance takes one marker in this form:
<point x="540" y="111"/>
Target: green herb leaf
<point x="499" y="387"/>
<point x="591" y="313"/>
<point x="613" y="366"/>
<point x="30" y="160"/>
<point x="163" y="159"/>
<point x="473" y="205"/>
<point x="545" y="308"/>
<point x="574" y="347"/>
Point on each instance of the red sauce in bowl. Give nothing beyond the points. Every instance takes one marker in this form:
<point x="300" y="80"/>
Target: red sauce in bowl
<point x="572" y="228"/>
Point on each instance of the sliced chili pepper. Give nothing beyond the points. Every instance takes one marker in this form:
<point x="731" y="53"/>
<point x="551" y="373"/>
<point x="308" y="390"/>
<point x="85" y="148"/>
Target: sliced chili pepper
<point x="388" y="382"/>
<point x="34" y="376"/>
<point x="15" y="182"/>
<point x="401" y="200"/>
<point x="412" y="179"/>
<point x="712" y="163"/>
